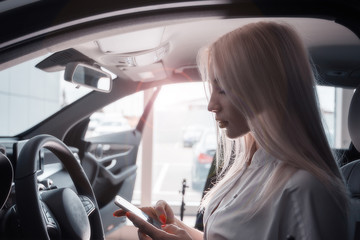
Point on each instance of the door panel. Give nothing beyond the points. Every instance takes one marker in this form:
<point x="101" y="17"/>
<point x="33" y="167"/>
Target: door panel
<point x="109" y="169"/>
<point x="110" y="164"/>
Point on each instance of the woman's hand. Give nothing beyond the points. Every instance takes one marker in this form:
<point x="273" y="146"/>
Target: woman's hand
<point x="162" y="211"/>
<point x="147" y="231"/>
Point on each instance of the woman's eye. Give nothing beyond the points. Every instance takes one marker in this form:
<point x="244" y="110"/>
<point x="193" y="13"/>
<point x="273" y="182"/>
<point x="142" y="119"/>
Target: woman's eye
<point x="222" y="92"/>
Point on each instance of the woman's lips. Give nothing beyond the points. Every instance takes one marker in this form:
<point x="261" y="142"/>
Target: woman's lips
<point x="222" y="124"/>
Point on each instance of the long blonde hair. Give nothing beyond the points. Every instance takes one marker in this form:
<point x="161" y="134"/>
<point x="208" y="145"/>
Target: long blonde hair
<point x="265" y="71"/>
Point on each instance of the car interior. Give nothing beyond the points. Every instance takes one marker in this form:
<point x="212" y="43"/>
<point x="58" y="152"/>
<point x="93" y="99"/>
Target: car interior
<point x="59" y="183"/>
<point x="351" y="170"/>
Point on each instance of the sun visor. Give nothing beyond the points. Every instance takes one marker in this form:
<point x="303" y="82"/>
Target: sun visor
<point x="148" y="73"/>
<point x="57" y="61"/>
<point x="132" y="42"/>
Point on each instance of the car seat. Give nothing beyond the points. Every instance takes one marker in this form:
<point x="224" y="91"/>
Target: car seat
<point x="6" y="177"/>
<point x="351" y="171"/>
<point x="210" y="181"/>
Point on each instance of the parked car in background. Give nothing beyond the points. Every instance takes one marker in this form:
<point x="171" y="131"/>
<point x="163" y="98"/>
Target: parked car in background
<point x="192" y="134"/>
<point x="95" y="120"/>
<point x="203" y="154"/>
<point x="111" y="124"/>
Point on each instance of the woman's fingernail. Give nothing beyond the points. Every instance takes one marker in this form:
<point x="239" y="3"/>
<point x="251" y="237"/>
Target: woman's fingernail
<point x="127" y="214"/>
<point x="114" y="214"/>
<point x="162" y="218"/>
<point x="164" y="225"/>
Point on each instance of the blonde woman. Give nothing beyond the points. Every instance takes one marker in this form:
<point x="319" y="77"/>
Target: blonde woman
<point x="283" y="181"/>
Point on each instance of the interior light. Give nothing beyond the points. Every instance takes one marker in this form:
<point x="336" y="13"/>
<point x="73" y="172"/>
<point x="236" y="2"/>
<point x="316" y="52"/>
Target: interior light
<point x="126" y="61"/>
<point x="146" y="75"/>
<point x="143" y="58"/>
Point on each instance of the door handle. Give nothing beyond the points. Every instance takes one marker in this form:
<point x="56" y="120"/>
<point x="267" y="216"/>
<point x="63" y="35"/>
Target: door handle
<point x="111" y="165"/>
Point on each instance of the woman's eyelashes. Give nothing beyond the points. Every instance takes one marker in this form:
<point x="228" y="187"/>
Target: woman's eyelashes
<point x="221" y="91"/>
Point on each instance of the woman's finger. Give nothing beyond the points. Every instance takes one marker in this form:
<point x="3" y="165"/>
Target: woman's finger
<point x="119" y="213"/>
<point x="164" y="212"/>
<point x="150" y="211"/>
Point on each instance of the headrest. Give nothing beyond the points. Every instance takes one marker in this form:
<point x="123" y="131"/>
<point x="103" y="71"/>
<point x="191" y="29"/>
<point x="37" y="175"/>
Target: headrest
<point x="351" y="173"/>
<point x="354" y="119"/>
<point x="6" y="178"/>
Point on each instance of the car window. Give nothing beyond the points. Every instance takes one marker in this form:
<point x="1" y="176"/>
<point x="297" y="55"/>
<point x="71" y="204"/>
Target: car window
<point x="29" y="95"/>
<point x="180" y="120"/>
<point x="181" y="124"/>
<point x="334" y="107"/>
<point x="210" y="139"/>
<point x="121" y="115"/>
<point x="176" y="151"/>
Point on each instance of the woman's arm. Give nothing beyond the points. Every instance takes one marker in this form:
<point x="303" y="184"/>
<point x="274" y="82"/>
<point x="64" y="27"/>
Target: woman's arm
<point x="194" y="233"/>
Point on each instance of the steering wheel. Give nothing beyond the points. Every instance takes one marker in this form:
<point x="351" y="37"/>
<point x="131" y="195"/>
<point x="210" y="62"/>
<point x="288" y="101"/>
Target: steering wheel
<point x="43" y="214"/>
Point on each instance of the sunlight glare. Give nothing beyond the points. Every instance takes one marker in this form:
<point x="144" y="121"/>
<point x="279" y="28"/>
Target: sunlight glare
<point x="177" y="94"/>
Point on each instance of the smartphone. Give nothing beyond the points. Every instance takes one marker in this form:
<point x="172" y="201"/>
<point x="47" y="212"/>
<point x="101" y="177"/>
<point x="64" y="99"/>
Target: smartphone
<point x="128" y="207"/>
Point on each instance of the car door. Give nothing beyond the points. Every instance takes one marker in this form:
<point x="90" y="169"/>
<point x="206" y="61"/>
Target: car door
<point x="110" y="161"/>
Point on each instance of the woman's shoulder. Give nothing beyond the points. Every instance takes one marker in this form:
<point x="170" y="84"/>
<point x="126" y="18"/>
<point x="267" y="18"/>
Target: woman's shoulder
<point x="303" y="181"/>
<point x="314" y="206"/>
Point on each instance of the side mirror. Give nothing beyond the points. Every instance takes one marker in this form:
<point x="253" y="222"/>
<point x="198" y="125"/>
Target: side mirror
<point x="88" y="76"/>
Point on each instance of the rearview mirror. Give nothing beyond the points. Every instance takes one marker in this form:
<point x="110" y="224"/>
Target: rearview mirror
<point x="88" y="76"/>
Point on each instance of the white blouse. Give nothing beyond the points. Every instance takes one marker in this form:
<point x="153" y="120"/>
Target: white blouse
<point x="303" y="209"/>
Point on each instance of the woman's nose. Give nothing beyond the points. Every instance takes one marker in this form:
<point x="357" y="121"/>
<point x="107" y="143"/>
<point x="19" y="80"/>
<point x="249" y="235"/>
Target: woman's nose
<point x="213" y="105"/>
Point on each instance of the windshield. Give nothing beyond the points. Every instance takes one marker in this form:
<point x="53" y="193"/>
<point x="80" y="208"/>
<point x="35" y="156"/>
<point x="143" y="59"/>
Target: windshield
<point x="29" y="95"/>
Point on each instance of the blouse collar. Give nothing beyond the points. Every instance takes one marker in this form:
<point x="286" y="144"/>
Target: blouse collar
<point x="260" y="158"/>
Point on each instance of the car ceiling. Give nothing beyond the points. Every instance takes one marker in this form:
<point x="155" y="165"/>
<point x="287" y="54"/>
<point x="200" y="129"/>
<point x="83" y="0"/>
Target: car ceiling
<point x="334" y="49"/>
<point x="331" y="45"/>
<point x="12" y="4"/>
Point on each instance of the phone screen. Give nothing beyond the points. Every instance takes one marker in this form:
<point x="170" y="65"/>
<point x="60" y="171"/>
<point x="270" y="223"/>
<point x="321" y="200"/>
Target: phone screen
<point x="127" y="206"/>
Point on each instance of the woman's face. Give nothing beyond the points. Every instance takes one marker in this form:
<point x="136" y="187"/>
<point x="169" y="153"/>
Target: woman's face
<point x="226" y="114"/>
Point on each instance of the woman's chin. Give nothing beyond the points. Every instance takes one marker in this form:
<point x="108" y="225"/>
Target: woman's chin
<point x="234" y="135"/>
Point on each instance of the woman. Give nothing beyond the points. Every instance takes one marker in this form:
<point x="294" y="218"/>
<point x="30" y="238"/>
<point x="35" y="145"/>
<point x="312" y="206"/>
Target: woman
<point x="283" y="182"/>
